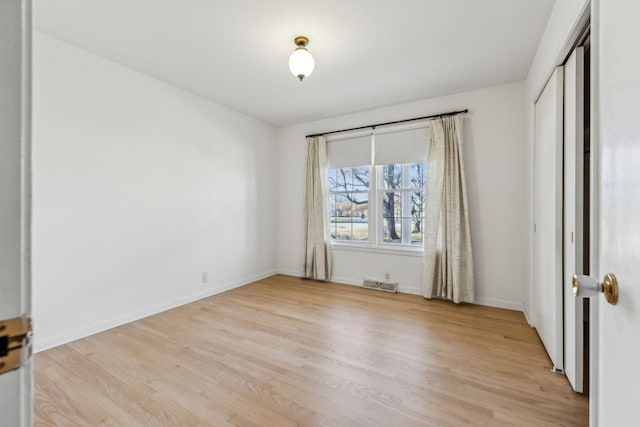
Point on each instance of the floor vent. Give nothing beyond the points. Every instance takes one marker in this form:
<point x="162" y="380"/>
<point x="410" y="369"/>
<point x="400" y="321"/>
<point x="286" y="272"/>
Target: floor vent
<point x="380" y="285"/>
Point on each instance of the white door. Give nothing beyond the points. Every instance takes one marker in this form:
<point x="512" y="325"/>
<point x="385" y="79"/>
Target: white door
<point x="573" y="214"/>
<point x="618" y="94"/>
<point x="15" y="157"/>
<point x="548" y="218"/>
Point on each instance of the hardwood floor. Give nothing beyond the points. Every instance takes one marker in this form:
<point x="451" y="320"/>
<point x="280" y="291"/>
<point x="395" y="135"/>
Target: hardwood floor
<point x="284" y="352"/>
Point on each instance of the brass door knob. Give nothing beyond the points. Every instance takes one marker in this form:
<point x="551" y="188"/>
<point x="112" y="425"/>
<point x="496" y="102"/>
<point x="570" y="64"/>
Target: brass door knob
<point x="587" y="286"/>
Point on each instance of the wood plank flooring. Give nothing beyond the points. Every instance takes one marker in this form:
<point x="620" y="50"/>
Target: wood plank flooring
<point x="285" y="352"/>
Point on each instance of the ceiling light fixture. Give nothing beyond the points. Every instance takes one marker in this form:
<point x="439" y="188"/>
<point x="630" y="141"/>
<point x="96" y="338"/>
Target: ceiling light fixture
<point x="301" y="62"/>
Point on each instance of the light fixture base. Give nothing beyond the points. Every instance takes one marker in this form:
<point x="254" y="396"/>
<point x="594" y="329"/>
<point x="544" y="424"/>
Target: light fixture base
<point x="301" y="41"/>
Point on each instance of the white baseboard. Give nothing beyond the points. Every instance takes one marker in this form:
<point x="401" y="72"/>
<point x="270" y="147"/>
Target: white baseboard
<point x="47" y="343"/>
<point x="490" y="302"/>
<point x="525" y="310"/>
<point x="498" y="303"/>
<point x="290" y="272"/>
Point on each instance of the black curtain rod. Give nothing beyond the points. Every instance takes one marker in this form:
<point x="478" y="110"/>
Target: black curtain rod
<point x="452" y="113"/>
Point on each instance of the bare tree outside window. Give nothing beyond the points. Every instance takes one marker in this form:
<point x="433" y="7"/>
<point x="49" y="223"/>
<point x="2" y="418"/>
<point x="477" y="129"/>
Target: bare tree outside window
<point x="403" y="208"/>
<point x="418" y="181"/>
<point x="392" y="176"/>
<point x="401" y="195"/>
<point x="349" y="203"/>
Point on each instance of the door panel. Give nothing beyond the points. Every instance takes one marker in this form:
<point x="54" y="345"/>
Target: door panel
<point x="619" y="210"/>
<point x="573" y="214"/>
<point x="548" y="218"/>
<point x="15" y="197"/>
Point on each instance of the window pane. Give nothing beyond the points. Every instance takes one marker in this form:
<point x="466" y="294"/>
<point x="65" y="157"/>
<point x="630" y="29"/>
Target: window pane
<point x="349" y="215"/>
<point x="417" y="204"/>
<point x="418" y="174"/>
<point x="348" y="179"/>
<point x="391" y="217"/>
<point x="392" y="176"/>
<point x="403" y="208"/>
<point x="417" y="230"/>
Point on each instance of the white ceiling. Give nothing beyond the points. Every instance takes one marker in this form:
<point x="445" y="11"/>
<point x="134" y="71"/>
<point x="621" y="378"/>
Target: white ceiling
<point x="368" y="53"/>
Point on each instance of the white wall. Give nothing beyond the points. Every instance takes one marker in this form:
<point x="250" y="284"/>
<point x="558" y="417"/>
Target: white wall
<point x="139" y="188"/>
<point x="495" y="154"/>
<point x="567" y="18"/>
<point x="555" y="42"/>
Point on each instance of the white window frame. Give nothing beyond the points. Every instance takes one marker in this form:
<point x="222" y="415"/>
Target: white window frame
<point x="369" y="231"/>
<point x="375" y="241"/>
<point x="375" y="225"/>
<point x="405" y="203"/>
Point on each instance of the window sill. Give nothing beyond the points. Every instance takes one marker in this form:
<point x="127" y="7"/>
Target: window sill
<point x="359" y="247"/>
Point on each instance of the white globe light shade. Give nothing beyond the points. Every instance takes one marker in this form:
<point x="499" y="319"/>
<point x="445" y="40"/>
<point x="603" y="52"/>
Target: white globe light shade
<point x="301" y="63"/>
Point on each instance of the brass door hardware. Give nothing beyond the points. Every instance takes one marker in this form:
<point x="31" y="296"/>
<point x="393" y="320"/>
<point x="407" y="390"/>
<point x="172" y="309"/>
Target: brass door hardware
<point x="587" y="286"/>
<point x="15" y="343"/>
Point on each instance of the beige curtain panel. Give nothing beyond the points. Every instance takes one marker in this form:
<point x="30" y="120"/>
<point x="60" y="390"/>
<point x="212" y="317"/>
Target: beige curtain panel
<point x="317" y="255"/>
<point x="448" y="263"/>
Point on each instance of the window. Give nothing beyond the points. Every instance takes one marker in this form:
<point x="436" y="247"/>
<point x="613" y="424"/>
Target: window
<point x="349" y="203"/>
<point x="398" y="201"/>
<point x="376" y="189"/>
<point x="402" y="196"/>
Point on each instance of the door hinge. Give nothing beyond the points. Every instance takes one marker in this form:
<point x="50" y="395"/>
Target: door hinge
<point x="15" y="343"/>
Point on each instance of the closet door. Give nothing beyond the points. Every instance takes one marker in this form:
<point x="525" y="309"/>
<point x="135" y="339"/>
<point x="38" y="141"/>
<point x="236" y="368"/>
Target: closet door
<point x="548" y="218"/>
<point x="573" y="214"/>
